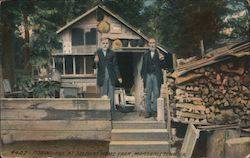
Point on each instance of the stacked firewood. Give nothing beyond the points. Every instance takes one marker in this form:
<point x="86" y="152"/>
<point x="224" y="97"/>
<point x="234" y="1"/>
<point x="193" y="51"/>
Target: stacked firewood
<point x="217" y="94"/>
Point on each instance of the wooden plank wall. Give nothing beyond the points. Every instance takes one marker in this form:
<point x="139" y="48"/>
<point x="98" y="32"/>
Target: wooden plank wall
<point x="55" y="119"/>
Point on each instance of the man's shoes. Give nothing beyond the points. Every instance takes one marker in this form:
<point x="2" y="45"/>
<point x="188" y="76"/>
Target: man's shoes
<point x="154" y="114"/>
<point x="147" y="115"/>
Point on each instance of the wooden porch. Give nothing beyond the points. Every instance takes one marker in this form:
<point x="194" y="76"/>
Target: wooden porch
<point x="55" y="119"/>
<point x="49" y="119"/>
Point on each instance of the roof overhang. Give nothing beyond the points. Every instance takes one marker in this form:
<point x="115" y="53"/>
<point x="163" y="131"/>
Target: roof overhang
<point x="114" y="16"/>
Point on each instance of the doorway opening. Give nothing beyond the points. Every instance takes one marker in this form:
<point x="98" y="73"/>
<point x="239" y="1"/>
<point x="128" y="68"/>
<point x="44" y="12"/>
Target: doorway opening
<point x="129" y="64"/>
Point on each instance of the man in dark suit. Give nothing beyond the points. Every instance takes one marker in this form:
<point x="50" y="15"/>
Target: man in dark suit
<point x="107" y="70"/>
<point x="152" y="76"/>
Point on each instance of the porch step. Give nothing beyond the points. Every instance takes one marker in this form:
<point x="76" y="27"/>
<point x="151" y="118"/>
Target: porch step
<point x="139" y="134"/>
<point x="138" y="125"/>
<point x="139" y="146"/>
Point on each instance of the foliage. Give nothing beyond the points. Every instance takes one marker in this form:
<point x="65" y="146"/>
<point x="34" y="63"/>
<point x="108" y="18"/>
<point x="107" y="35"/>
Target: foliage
<point x="128" y="10"/>
<point x="179" y="25"/>
<point x="45" y="89"/>
<point x="238" y="19"/>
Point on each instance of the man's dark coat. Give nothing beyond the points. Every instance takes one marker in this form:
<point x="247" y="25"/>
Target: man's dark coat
<point x="110" y="62"/>
<point x="158" y="66"/>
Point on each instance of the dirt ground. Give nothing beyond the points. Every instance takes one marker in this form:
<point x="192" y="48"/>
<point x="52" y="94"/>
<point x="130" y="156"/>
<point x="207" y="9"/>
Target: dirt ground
<point x="68" y="149"/>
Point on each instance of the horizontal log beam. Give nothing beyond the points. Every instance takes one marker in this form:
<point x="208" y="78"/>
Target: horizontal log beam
<point x="190" y="115"/>
<point x="55" y="125"/>
<point x="50" y="103"/>
<point x="191" y="106"/>
<point x="186" y="78"/>
<point x="214" y="127"/>
<point x="189" y="98"/>
<point x="17" y="135"/>
<point x="203" y="122"/>
<point x="52" y="114"/>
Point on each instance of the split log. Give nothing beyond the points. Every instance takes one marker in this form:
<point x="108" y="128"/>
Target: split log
<point x="190" y="115"/>
<point x="189" y="99"/>
<point x="239" y="71"/>
<point x="181" y="80"/>
<point x="191" y="106"/>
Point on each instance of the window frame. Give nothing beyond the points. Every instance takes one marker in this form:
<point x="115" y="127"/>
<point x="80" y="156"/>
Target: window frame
<point x="74" y="74"/>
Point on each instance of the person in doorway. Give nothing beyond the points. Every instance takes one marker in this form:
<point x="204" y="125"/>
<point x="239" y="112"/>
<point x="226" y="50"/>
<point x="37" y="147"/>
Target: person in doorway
<point x="107" y="70"/>
<point x="151" y="74"/>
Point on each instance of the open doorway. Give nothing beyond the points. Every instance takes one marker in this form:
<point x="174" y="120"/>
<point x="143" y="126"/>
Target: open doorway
<point x="129" y="64"/>
<point x="126" y="67"/>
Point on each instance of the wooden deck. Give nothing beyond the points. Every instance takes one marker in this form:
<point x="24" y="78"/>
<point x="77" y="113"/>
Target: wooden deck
<point x="48" y="119"/>
<point x="24" y="119"/>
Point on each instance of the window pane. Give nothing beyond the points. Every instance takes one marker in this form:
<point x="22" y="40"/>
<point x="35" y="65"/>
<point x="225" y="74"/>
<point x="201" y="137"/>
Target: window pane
<point x="77" y="36"/>
<point x="59" y="64"/>
<point x="89" y="64"/>
<point x="91" y="37"/>
<point x="79" y="64"/>
<point x="68" y="65"/>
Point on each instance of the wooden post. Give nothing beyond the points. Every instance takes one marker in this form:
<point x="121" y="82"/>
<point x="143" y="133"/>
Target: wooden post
<point x="160" y="109"/>
<point x="174" y="62"/>
<point x="63" y="65"/>
<point x="168" y="114"/>
<point x="202" y="49"/>
<point x="7" y="138"/>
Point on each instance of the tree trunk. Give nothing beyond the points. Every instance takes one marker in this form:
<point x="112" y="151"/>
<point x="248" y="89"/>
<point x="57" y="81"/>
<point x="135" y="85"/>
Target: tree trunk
<point x="1" y="81"/>
<point x="8" y="63"/>
<point x="27" y="39"/>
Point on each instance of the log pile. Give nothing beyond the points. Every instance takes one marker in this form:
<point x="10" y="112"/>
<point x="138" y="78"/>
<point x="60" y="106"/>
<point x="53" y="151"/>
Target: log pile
<point x="188" y="104"/>
<point x="213" y="94"/>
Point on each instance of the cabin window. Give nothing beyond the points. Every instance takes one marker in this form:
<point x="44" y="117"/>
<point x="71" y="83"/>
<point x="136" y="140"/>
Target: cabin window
<point x="89" y="64"/>
<point x="91" y="37"/>
<point x="77" y="36"/>
<point x="59" y="64"/>
<point x="68" y="65"/>
<point x="80" y="64"/>
<point x="75" y="64"/>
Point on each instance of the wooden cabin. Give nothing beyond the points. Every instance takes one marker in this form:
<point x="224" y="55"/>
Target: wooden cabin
<point x="87" y="118"/>
<point x="81" y="38"/>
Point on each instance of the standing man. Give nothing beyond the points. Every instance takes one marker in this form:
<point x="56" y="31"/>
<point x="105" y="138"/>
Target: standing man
<point x="107" y="70"/>
<point x="151" y="74"/>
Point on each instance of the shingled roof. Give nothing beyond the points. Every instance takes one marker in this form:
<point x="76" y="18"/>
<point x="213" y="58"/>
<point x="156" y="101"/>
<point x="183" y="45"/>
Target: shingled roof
<point x="224" y="53"/>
